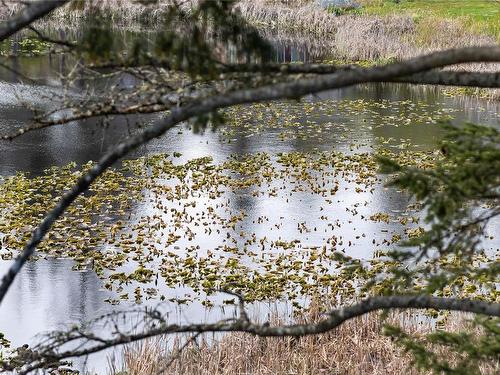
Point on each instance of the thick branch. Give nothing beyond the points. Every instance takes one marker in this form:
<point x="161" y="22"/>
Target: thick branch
<point x="291" y="68"/>
<point x="28" y="15"/>
<point x="334" y="319"/>
<point x="463" y="79"/>
<point x="47" y="39"/>
<point x="290" y="90"/>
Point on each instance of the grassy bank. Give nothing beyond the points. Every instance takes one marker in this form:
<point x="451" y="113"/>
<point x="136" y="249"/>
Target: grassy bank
<point x="478" y="16"/>
<point x="383" y="30"/>
<point x="122" y="13"/>
<point x="367" y="36"/>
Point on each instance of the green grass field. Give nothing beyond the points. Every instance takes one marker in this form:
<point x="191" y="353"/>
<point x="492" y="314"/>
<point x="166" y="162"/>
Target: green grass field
<point x="480" y="16"/>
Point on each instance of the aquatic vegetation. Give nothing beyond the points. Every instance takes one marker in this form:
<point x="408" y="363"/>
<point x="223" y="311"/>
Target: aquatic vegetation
<point x="155" y="224"/>
<point x="270" y="225"/>
<point x="26" y="46"/>
<point x="336" y="119"/>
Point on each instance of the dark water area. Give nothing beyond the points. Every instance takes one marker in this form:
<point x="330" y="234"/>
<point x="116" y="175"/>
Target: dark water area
<point x="48" y="294"/>
<point x="81" y="141"/>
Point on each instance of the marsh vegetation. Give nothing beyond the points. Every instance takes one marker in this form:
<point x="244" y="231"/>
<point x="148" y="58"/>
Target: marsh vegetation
<point x="285" y="202"/>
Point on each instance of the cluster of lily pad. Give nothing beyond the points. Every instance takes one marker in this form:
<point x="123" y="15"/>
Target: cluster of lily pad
<point x="154" y="224"/>
<point x="268" y="225"/>
<point x="26" y="46"/>
<point x="313" y="120"/>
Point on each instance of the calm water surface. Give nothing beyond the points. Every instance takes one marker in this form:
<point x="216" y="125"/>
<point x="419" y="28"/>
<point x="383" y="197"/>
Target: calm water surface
<point x="48" y="294"/>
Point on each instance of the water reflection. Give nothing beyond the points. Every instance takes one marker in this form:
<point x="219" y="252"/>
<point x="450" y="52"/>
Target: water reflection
<point x="47" y="294"/>
<point x="286" y="53"/>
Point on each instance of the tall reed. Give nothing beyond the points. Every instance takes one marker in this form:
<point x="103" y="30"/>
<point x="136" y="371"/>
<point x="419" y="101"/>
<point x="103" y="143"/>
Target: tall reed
<point x="356" y="347"/>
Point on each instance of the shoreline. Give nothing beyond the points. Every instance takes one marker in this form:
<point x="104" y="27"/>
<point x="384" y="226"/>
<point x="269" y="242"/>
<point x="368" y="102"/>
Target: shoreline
<point x="352" y="38"/>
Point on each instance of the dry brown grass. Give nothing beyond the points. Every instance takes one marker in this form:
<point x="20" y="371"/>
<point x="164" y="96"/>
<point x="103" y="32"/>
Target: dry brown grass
<point x="121" y="11"/>
<point x="355" y="38"/>
<point x="350" y="37"/>
<point x="364" y="37"/>
<point x="356" y="347"/>
<point x="7" y="9"/>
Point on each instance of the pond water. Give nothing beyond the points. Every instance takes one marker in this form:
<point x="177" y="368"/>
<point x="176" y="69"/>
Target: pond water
<point x="48" y="294"/>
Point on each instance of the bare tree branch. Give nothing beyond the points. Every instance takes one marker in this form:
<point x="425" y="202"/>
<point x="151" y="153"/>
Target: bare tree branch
<point x="179" y="351"/>
<point x="332" y="320"/>
<point x="295" y="89"/>
<point x="47" y="39"/>
<point x="445" y="78"/>
<point x="28" y="15"/>
<point x="465" y="79"/>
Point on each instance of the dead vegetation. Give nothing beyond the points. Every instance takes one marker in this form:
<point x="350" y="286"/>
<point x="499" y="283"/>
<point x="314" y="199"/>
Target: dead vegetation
<point x="362" y="37"/>
<point x="356" y="347"/>
<point x="348" y="37"/>
<point x="372" y="38"/>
